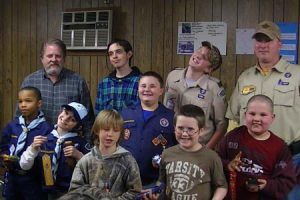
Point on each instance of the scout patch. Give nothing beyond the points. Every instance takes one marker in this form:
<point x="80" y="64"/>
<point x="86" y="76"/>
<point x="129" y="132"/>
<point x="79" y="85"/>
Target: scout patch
<point x="221" y="93"/>
<point x="164" y="122"/>
<point x="160" y="140"/>
<point x="248" y="89"/>
<point x="163" y="140"/>
<point x="287" y="75"/>
<point x="280" y="82"/>
<point x="202" y="93"/>
<point x="156" y="141"/>
<point x="126" y="134"/>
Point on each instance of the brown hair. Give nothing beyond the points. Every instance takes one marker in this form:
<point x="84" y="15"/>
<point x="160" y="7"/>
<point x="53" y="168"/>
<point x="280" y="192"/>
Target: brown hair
<point x="193" y="111"/>
<point x="57" y="42"/>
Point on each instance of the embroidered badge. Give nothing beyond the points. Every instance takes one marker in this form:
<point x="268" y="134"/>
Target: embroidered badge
<point x="155" y="141"/>
<point x="280" y="82"/>
<point x="287" y="75"/>
<point x="248" y="89"/>
<point x="126" y="134"/>
<point x="164" y="122"/>
<point x="202" y="93"/>
<point x="160" y="139"/>
<point x="221" y="93"/>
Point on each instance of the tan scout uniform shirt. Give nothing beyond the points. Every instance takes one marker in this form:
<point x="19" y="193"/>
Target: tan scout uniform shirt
<point x="207" y="93"/>
<point x="282" y="85"/>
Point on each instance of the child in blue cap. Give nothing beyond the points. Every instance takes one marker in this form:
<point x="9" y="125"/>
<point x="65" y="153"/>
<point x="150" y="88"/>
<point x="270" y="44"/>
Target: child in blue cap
<point x="59" y="152"/>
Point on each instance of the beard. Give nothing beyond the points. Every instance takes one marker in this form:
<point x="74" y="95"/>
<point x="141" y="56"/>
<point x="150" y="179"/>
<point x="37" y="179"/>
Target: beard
<point x="53" y="70"/>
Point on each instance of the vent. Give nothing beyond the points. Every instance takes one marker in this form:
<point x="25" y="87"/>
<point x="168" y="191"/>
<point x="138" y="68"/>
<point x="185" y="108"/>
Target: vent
<point x="86" y="30"/>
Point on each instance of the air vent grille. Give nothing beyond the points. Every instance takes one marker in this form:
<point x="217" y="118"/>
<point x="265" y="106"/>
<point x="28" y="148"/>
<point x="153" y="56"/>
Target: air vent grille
<point x="85" y="30"/>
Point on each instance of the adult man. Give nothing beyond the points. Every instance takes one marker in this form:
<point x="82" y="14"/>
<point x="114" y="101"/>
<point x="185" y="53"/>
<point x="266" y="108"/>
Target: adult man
<point x="275" y="78"/>
<point x="193" y="85"/>
<point x="58" y="85"/>
<point x="119" y="89"/>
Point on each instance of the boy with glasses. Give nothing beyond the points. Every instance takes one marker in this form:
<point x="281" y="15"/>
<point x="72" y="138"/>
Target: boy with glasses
<point x="189" y="169"/>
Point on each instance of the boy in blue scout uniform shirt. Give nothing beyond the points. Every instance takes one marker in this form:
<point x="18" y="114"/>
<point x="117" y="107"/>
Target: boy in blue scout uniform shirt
<point x="16" y="137"/>
<point x="63" y="145"/>
<point x="148" y="126"/>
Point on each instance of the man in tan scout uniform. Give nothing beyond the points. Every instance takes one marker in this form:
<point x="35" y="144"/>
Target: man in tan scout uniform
<point x="273" y="77"/>
<point x="277" y="79"/>
<point x="193" y="85"/>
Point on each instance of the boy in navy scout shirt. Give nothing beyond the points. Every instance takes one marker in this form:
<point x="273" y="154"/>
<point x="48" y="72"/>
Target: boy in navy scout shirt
<point x="194" y="85"/>
<point x="148" y="126"/>
<point x="16" y="137"/>
<point x="58" y="153"/>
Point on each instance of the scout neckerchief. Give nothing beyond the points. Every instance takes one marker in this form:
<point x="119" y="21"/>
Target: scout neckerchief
<point x="57" y="150"/>
<point x="22" y="138"/>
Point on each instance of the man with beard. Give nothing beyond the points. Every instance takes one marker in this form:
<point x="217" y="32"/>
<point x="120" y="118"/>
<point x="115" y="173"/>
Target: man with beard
<point x="59" y="85"/>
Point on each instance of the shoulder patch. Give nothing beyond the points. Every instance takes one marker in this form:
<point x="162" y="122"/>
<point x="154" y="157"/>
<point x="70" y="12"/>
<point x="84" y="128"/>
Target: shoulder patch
<point x="221" y="93"/>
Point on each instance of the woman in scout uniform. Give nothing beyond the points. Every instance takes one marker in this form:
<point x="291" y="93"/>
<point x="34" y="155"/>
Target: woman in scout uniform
<point x="16" y="136"/>
<point x="59" y="152"/>
<point x="148" y="126"/>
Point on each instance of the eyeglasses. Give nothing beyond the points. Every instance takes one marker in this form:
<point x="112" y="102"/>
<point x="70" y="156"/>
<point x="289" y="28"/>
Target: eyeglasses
<point x="188" y="130"/>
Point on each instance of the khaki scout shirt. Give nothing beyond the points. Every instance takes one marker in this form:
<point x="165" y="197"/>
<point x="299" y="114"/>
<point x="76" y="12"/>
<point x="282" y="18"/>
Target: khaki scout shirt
<point x="207" y="93"/>
<point x="282" y="85"/>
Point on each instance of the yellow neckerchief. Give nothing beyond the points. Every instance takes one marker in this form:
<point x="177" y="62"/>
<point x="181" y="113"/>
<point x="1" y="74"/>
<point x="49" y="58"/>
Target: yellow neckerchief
<point x="264" y="71"/>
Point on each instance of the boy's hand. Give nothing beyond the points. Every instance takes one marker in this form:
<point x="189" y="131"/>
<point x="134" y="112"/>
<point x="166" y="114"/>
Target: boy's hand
<point x="234" y="165"/>
<point x="151" y="196"/>
<point x="261" y="184"/>
<point x="71" y="151"/>
<point x="38" y="141"/>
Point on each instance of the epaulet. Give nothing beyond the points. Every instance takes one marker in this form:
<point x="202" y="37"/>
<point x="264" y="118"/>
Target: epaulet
<point x="216" y="80"/>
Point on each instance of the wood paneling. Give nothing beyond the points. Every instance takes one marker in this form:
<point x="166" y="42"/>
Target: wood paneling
<point x="150" y="26"/>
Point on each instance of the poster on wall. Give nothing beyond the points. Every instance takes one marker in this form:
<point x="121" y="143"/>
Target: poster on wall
<point x="244" y="43"/>
<point x="289" y="40"/>
<point x="191" y="34"/>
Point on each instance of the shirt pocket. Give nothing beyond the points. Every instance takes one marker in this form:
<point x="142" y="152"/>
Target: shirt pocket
<point x="203" y="104"/>
<point x="284" y="95"/>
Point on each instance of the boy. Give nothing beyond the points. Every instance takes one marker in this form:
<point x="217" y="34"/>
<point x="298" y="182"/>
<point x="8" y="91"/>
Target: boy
<point x="190" y="170"/>
<point x="16" y="137"/>
<point x="194" y="85"/>
<point x="64" y="145"/>
<point x="148" y="126"/>
<point x="119" y="89"/>
<point x="258" y="158"/>
<point x="108" y="171"/>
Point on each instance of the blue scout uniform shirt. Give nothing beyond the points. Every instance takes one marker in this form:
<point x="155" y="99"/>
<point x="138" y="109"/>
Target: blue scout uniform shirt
<point x="20" y="182"/>
<point x="145" y="141"/>
<point x="64" y="172"/>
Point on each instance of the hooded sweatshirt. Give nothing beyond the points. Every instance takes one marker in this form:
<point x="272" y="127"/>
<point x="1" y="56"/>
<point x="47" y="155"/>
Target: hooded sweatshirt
<point x="107" y="177"/>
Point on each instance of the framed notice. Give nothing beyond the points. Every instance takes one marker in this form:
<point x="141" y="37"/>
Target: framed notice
<point x="191" y="34"/>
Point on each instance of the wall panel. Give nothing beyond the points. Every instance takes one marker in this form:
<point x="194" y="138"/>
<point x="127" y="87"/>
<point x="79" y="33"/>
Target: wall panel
<point x="150" y="26"/>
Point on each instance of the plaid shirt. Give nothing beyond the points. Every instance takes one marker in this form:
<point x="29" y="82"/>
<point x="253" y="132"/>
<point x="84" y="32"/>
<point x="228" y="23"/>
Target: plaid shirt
<point x="70" y="87"/>
<point x="118" y="93"/>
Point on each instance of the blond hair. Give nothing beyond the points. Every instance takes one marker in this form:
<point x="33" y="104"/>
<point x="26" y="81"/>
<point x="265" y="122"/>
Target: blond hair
<point x="107" y="119"/>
